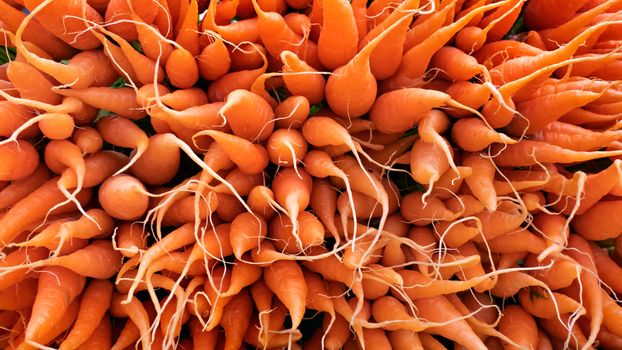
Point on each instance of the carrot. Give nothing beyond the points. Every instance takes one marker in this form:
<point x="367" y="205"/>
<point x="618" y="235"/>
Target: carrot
<point x="292" y="112"/>
<point x="19" y="258"/>
<point x="286" y="147"/>
<point x="429" y="342"/>
<point x="351" y="89"/>
<point x="480" y="181"/>
<point x="401" y="104"/>
<point x="597" y="223"/>
<point x="130" y="240"/>
<point x="301" y="79"/>
<point x="592" y="295"/>
<point x="101" y="260"/>
<point x="415" y="61"/>
<point x="426" y="24"/>
<point x="472" y="134"/>
<point x="310" y="233"/>
<point x="543" y="14"/>
<point x="240" y="104"/>
<point x="187" y="34"/>
<point x="19" y="159"/>
<point x="250" y="55"/>
<point x="538" y="303"/>
<point x="58" y="287"/>
<point x="24" y="77"/>
<point x="236" y="32"/>
<point x="249" y="157"/>
<point x="458" y="330"/>
<point x="286" y="280"/>
<point x="35" y="206"/>
<point x="575" y="137"/>
<point x="277" y="37"/>
<point x="95" y="224"/>
<point x="247" y="231"/>
<point x="181" y="68"/>
<point x="419" y="213"/>
<point x="519" y="326"/>
<point x="214" y="60"/>
<point x="88" y="140"/>
<point x="98" y="168"/>
<point x="561" y="103"/>
<point x="180" y="237"/>
<point x="338" y="26"/>
<point x="121" y="101"/>
<point x="520" y="67"/>
<point x="404" y="340"/>
<point x="236" y="319"/>
<point x="123" y="133"/>
<point x="124" y="11"/>
<point x="100" y="339"/>
<point x="293" y="192"/>
<point x="19" y="296"/>
<point x="139" y="317"/>
<point x="203" y="339"/>
<point x="128" y="335"/>
<point x="565" y="331"/>
<point x="93" y="307"/>
<point x="391" y="311"/>
<point x="19" y="189"/>
<point x="428" y="161"/>
<point x="160" y="162"/>
<point x="528" y="152"/>
<point x="35" y="33"/>
<point x="124" y="197"/>
<point x="15" y="116"/>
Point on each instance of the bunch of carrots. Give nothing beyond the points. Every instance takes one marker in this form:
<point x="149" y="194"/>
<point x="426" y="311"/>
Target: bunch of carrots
<point x="310" y="174"/>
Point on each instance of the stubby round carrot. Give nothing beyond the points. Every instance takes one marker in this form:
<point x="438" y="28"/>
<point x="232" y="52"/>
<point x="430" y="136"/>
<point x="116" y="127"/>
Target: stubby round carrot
<point x="240" y="106"/>
<point x="17" y="160"/>
<point x="214" y="60"/>
<point x="160" y="162"/>
<point x="286" y="147"/>
<point x="428" y="162"/>
<point x="301" y="79"/>
<point x="181" y="69"/>
<point x="124" y="197"/>
<point x="130" y="239"/>
<point x="292" y="112"/>
<point x="355" y="79"/>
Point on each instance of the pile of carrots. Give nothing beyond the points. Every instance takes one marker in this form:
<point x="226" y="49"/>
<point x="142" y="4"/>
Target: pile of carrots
<point x="310" y="174"/>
